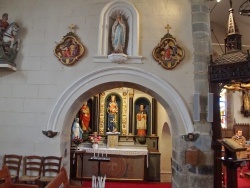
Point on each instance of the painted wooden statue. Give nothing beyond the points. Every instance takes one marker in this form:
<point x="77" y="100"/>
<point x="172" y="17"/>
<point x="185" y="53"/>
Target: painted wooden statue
<point x="9" y="44"/>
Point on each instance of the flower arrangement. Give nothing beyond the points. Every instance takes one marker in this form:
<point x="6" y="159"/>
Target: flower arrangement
<point x="77" y="140"/>
<point x="95" y="139"/>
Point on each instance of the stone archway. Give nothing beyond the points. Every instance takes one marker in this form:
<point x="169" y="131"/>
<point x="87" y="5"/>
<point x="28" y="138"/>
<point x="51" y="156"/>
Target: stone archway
<point x="108" y="78"/>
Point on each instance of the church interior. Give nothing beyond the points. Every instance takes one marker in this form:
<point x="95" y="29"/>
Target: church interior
<point x="123" y="91"/>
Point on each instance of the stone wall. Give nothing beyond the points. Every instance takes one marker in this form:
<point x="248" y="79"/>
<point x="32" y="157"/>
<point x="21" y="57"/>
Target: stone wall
<point x="43" y="88"/>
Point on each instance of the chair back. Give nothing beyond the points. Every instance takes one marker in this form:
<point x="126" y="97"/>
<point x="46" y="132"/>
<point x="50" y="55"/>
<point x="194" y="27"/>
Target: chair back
<point x="51" y="166"/>
<point x="13" y="162"/>
<point x="61" y="180"/>
<point x="33" y="165"/>
<point x="5" y="176"/>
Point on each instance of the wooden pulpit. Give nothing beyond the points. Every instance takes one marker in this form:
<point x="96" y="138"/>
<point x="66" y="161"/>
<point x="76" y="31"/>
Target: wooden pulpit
<point x="230" y="160"/>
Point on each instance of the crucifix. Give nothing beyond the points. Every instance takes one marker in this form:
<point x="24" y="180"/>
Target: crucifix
<point x="168" y="27"/>
<point x="72" y="27"/>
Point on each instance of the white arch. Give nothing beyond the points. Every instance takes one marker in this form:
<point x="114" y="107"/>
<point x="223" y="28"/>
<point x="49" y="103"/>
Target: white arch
<point x="97" y="81"/>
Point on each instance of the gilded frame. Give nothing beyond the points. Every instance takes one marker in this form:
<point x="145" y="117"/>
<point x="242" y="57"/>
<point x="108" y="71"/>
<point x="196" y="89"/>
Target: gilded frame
<point x="69" y="50"/>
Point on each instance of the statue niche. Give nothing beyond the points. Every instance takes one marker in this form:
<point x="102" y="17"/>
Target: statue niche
<point x="113" y="113"/>
<point x="142" y="119"/>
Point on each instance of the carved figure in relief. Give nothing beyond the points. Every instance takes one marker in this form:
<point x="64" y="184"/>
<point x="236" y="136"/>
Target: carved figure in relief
<point x="167" y="54"/>
<point x="246" y="101"/>
<point x="112" y="111"/>
<point x="141" y="121"/>
<point x="118" y="34"/>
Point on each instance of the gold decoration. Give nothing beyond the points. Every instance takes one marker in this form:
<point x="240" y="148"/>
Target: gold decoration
<point x="69" y="50"/>
<point x="168" y="53"/>
<point x="124" y="114"/>
<point x="237" y="86"/>
<point x="101" y="127"/>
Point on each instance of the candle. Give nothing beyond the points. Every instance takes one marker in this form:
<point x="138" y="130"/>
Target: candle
<point x="106" y="153"/>
<point x="94" y="153"/>
<point x="102" y="153"/>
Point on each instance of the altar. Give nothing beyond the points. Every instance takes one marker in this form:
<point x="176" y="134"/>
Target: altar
<point x="125" y="130"/>
<point x="124" y="163"/>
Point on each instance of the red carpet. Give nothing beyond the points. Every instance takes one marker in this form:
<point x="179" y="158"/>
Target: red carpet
<point x="244" y="182"/>
<point x="109" y="184"/>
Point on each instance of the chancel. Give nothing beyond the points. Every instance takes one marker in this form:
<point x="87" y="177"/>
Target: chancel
<point x="122" y="146"/>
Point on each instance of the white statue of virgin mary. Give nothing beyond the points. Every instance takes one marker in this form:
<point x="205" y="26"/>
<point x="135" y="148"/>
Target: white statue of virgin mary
<point x="118" y="34"/>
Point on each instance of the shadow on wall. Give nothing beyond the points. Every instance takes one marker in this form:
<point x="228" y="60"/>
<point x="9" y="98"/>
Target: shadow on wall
<point x="166" y="153"/>
<point x="165" y="130"/>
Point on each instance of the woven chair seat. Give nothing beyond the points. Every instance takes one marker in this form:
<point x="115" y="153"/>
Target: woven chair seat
<point x="46" y="179"/>
<point x="29" y="178"/>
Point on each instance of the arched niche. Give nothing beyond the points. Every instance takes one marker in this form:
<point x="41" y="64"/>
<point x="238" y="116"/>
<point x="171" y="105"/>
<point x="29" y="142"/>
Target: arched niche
<point x="147" y="107"/>
<point x="106" y="20"/>
<point x="103" y="79"/>
<point x="118" y="100"/>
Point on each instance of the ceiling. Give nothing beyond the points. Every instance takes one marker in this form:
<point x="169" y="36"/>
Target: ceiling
<point x="219" y="13"/>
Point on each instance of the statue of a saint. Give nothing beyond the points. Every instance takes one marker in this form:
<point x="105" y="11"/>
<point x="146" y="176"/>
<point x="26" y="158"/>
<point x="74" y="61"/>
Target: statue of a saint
<point x="118" y="34"/>
<point x="76" y="129"/>
<point x="246" y="101"/>
<point x="112" y="110"/>
<point x="85" y="117"/>
<point x="4" y="22"/>
<point x="141" y="121"/>
<point x="9" y="44"/>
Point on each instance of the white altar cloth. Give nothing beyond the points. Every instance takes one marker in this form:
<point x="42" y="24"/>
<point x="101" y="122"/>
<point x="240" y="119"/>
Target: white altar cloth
<point x="116" y="151"/>
<point x="104" y="152"/>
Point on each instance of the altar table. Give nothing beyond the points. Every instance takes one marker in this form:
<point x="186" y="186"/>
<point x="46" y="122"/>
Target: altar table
<point x="124" y="164"/>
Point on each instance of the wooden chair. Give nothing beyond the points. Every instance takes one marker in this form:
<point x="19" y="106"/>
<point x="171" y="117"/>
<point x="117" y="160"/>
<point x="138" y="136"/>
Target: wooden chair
<point x="51" y="167"/>
<point x="13" y="162"/>
<point x="61" y="180"/>
<point x="32" y="169"/>
<point x="5" y="175"/>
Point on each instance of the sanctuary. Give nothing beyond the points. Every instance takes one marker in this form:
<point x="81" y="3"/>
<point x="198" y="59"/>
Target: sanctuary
<point x="123" y="122"/>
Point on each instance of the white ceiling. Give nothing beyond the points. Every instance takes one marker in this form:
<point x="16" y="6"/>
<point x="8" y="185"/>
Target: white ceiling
<point x="219" y="18"/>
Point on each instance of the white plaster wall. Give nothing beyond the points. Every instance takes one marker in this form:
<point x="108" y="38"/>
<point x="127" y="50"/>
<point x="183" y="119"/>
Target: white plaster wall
<point x="28" y="96"/>
<point x="164" y="132"/>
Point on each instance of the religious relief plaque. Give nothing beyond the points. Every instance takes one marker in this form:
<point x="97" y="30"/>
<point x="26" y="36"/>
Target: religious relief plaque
<point x="168" y="53"/>
<point x="112" y="139"/>
<point x="69" y="50"/>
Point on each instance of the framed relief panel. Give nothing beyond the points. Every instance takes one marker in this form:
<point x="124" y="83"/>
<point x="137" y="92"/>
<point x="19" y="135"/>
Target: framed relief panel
<point x="69" y="50"/>
<point x="168" y="53"/>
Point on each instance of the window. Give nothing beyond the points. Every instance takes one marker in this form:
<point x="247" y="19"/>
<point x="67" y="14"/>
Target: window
<point x="223" y="107"/>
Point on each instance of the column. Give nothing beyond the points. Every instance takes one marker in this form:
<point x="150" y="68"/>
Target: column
<point x="154" y="116"/>
<point x="131" y="106"/>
